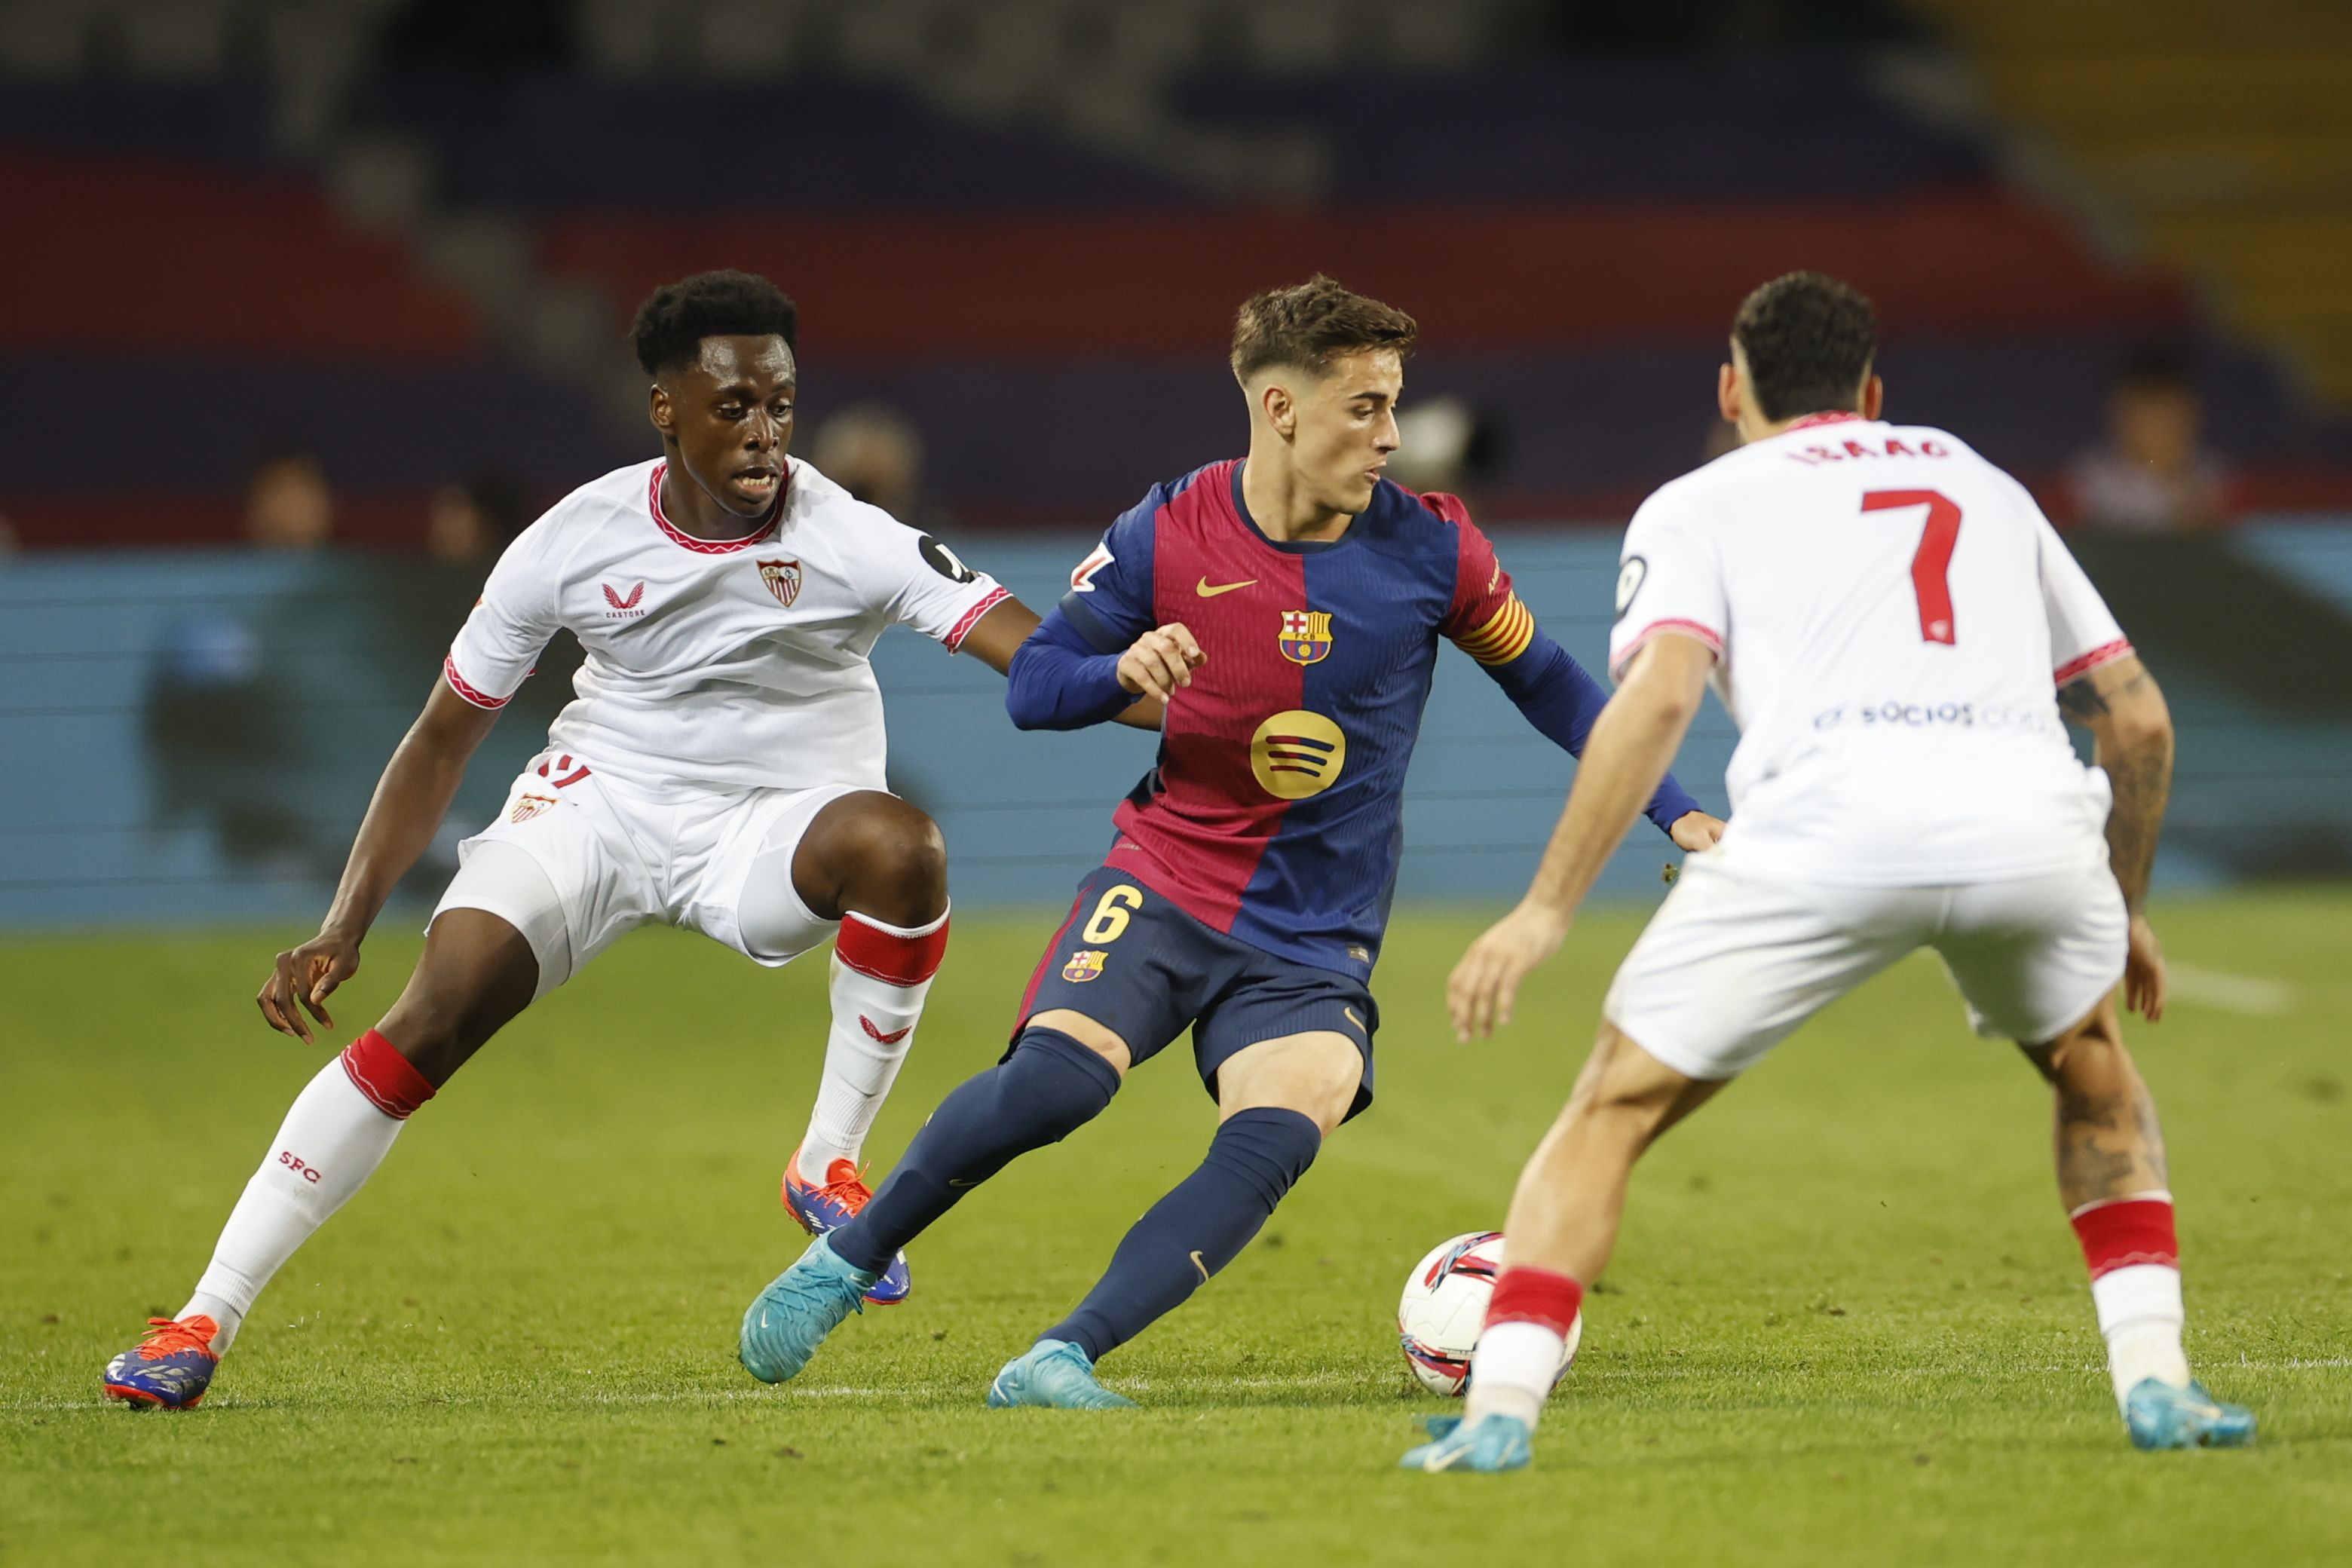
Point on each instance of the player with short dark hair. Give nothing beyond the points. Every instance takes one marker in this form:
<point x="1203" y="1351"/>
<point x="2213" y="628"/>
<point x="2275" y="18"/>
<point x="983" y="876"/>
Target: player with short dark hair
<point x="1900" y="635"/>
<point x="722" y="770"/>
<point x="1286" y="608"/>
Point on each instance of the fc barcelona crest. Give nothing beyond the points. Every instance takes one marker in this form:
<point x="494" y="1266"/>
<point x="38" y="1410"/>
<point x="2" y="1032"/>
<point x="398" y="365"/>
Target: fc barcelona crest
<point x="1083" y="966"/>
<point x="783" y="580"/>
<point x="1306" y="635"/>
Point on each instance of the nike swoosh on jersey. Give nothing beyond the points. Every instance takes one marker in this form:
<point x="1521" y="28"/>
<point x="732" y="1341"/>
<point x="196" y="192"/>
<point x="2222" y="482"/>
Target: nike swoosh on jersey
<point x="1202" y="588"/>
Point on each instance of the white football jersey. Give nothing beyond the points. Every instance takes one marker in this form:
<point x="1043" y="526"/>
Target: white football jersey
<point x="725" y="666"/>
<point x="1891" y="615"/>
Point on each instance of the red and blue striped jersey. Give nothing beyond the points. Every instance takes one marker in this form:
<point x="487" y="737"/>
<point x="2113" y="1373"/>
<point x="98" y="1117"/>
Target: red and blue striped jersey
<point x="1276" y="810"/>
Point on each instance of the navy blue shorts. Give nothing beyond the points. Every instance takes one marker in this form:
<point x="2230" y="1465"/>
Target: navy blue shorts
<point x="1139" y="966"/>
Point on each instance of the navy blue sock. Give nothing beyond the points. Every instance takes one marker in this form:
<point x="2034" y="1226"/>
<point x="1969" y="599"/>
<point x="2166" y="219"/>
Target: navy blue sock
<point x="1195" y="1230"/>
<point x="1046" y="1090"/>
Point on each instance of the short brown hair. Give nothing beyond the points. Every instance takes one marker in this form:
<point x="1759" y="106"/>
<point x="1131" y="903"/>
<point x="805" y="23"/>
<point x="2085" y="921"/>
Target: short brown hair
<point x="1311" y="323"/>
<point x="1809" y="339"/>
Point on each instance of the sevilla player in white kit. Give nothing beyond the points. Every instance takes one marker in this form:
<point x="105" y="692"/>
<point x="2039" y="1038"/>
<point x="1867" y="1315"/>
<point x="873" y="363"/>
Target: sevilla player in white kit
<point x="1897" y="630"/>
<point x="721" y="770"/>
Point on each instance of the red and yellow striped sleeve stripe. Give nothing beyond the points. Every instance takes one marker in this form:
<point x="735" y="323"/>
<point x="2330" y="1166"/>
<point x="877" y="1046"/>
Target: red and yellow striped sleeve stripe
<point x="1504" y="635"/>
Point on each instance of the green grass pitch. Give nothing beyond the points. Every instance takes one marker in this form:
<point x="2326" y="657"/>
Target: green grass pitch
<point x="1847" y="1323"/>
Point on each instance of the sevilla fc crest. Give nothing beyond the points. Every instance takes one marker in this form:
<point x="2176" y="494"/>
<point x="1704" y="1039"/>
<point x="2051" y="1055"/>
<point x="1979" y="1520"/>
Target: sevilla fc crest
<point x="783" y="580"/>
<point x="529" y="806"/>
<point x="1306" y="635"/>
<point x="1083" y="966"/>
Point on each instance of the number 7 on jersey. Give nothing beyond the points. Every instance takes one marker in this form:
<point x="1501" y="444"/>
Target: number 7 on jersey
<point x="1931" y="567"/>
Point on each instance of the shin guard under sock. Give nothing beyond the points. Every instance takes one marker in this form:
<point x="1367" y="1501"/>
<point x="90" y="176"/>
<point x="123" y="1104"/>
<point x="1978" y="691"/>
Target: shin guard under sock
<point x="881" y="973"/>
<point x="334" y="1136"/>
<point x="1517" y="1358"/>
<point x="1196" y="1230"/>
<point x="1046" y="1090"/>
<point x="2134" y="1263"/>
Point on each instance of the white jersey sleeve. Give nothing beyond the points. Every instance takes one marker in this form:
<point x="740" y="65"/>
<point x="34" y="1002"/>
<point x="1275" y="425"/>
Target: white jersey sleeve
<point x="2082" y="631"/>
<point x="927" y="586"/>
<point x="518" y="612"/>
<point x="1669" y="579"/>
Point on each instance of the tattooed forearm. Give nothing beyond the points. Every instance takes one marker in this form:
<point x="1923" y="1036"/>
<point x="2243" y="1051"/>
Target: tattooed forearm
<point x="2142" y="781"/>
<point x="2081" y="702"/>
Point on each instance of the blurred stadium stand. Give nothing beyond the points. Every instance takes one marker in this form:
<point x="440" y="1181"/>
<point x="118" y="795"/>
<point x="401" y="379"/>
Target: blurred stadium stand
<point x="405" y="235"/>
<point x="2216" y="134"/>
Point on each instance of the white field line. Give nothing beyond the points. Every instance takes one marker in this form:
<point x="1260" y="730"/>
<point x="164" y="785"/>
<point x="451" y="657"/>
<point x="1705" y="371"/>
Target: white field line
<point x="1141" y="1385"/>
<point x="2248" y="993"/>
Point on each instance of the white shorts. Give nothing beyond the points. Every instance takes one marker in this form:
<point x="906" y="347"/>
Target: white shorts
<point x="574" y="860"/>
<point x="1734" y="959"/>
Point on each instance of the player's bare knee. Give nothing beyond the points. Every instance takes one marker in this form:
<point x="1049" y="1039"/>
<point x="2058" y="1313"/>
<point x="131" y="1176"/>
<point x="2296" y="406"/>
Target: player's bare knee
<point x="1096" y="1037"/>
<point x="888" y="858"/>
<point x="2091" y="1055"/>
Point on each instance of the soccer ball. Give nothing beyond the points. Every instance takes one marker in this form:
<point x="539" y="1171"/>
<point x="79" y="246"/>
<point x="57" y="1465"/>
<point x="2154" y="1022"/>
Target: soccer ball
<point x="1445" y="1307"/>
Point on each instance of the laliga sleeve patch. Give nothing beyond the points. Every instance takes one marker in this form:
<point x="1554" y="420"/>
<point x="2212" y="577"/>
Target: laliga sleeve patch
<point x="1082" y="580"/>
<point x="945" y="561"/>
<point x="1628" y="582"/>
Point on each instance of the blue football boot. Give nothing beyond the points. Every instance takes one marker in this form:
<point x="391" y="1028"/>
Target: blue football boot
<point x="829" y="1206"/>
<point x="170" y="1369"/>
<point x="2162" y="1416"/>
<point x="1493" y="1443"/>
<point x="1055" y="1375"/>
<point x="791" y="1318"/>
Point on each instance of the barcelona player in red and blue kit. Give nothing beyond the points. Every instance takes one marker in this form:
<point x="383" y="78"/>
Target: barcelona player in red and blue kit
<point x="1286" y="608"/>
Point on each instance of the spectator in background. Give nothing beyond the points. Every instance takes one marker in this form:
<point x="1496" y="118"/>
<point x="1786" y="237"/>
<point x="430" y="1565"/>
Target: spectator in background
<point x="2154" y="473"/>
<point x="472" y="522"/>
<point x="287" y="503"/>
<point x="1446" y="446"/>
<point x="873" y="452"/>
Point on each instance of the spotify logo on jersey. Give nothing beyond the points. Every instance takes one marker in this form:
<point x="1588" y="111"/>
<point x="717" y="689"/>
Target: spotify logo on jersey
<point x="1297" y="754"/>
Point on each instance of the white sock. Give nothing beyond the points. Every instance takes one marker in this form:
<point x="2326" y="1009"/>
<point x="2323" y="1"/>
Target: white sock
<point x="332" y="1140"/>
<point x="1512" y="1371"/>
<point x="2141" y="1317"/>
<point x="873" y="1028"/>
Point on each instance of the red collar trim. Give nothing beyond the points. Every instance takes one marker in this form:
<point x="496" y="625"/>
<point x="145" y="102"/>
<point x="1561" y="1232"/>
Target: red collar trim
<point x="715" y="546"/>
<point x="1837" y="417"/>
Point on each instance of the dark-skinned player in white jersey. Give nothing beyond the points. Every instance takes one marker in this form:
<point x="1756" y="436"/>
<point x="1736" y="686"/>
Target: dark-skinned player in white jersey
<point x="721" y="770"/>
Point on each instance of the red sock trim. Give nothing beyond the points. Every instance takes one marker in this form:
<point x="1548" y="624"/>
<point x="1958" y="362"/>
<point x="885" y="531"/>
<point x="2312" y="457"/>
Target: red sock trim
<point x="887" y="956"/>
<point x="378" y="1070"/>
<point x="1536" y="1296"/>
<point x="2136" y="1230"/>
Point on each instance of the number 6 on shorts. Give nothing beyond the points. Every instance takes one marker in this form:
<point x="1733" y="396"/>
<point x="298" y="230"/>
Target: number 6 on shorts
<point x="1111" y="914"/>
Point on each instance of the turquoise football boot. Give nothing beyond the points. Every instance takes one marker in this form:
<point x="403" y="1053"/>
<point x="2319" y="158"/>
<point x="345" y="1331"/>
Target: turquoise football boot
<point x="791" y="1318"/>
<point x="1494" y="1443"/>
<point x="1056" y="1375"/>
<point x="2162" y="1416"/>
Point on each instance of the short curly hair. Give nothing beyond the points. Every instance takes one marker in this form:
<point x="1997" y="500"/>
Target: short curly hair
<point x="676" y="318"/>
<point x="1312" y="323"/>
<point x="1809" y="339"/>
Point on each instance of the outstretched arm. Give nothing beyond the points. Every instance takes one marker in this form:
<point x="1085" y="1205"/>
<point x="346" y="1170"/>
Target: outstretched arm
<point x="1563" y="701"/>
<point x="997" y="642"/>
<point x="2131" y="734"/>
<point x="1631" y="744"/>
<point x="1058" y="680"/>
<point x="410" y="801"/>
